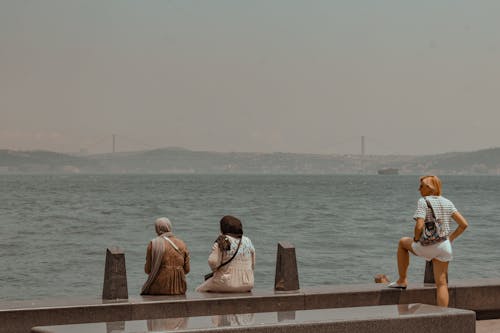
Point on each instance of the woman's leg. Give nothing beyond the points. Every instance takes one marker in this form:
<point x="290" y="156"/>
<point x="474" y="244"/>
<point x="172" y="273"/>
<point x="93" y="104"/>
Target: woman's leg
<point x="404" y="247"/>
<point x="440" y="274"/>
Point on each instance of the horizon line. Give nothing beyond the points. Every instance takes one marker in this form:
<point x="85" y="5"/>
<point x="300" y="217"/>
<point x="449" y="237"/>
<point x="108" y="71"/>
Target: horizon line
<point x="175" y="148"/>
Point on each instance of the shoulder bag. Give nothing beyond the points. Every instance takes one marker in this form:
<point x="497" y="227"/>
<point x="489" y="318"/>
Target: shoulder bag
<point x="209" y="275"/>
<point x="432" y="228"/>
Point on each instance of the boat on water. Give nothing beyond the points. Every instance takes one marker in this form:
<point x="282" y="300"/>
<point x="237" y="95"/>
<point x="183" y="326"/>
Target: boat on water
<point x="388" y="171"/>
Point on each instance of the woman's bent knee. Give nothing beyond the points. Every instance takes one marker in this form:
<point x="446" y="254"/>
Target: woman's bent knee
<point x="405" y="243"/>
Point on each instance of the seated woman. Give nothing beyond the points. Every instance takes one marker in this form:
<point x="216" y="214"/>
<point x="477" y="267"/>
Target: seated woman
<point x="167" y="262"/>
<point x="232" y="260"/>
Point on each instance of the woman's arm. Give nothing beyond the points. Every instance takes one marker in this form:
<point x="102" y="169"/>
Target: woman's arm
<point x="215" y="257"/>
<point x="462" y="225"/>
<point x="147" y="266"/>
<point x="252" y="251"/>
<point x="253" y="260"/>
<point x="187" y="262"/>
<point x="419" y="227"/>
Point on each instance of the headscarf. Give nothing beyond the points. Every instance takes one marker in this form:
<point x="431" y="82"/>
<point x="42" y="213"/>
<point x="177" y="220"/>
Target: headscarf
<point x="163" y="227"/>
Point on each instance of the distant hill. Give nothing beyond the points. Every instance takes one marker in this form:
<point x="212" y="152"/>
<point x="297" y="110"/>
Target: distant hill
<point x="179" y="160"/>
<point x="40" y="162"/>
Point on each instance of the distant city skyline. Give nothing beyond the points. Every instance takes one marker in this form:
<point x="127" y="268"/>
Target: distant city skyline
<point x="119" y="143"/>
<point x="114" y="143"/>
<point x="257" y="76"/>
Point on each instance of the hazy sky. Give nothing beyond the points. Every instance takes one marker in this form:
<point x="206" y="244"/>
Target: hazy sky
<point x="412" y="77"/>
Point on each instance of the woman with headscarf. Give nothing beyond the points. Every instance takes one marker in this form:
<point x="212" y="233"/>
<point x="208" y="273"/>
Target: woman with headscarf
<point x="232" y="260"/>
<point x="167" y="262"/>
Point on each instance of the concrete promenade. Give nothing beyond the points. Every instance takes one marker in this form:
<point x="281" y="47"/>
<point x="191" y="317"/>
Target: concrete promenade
<point x="482" y="326"/>
<point x="481" y="296"/>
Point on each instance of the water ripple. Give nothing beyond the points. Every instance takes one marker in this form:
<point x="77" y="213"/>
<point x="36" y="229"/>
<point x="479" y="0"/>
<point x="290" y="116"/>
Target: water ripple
<point x="54" y="230"/>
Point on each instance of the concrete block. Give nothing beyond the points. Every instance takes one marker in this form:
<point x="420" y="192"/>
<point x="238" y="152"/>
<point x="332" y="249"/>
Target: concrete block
<point x="389" y="296"/>
<point x="287" y="275"/>
<point x="483" y="298"/>
<point x="21" y="321"/>
<point x="167" y="324"/>
<point x="115" y="275"/>
<point x="285" y="316"/>
<point x="214" y="303"/>
<point x="408" y="318"/>
<point x="115" y="327"/>
<point x="344" y="296"/>
<point x="426" y="295"/>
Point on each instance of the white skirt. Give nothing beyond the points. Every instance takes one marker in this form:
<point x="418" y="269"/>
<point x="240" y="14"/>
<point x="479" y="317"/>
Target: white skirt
<point x="441" y="251"/>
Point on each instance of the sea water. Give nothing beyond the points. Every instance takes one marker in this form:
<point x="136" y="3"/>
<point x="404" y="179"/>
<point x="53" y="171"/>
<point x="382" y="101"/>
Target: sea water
<point x="54" y="229"/>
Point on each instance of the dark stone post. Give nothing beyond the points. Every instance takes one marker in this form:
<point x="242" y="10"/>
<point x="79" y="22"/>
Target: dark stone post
<point x="287" y="275"/>
<point x="115" y="275"/>
<point x="429" y="272"/>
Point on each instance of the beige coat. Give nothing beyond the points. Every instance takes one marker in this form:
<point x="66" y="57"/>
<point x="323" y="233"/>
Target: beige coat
<point x="171" y="279"/>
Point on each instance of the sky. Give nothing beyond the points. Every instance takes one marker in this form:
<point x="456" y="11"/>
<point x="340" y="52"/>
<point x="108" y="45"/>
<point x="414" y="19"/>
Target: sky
<point x="411" y="77"/>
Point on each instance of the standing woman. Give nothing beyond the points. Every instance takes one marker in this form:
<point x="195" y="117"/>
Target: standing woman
<point x="167" y="262"/>
<point x="431" y="203"/>
<point x="232" y="260"/>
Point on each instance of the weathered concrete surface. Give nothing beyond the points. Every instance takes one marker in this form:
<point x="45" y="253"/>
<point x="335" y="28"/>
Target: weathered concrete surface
<point x="482" y="296"/>
<point x="488" y="326"/>
<point x="115" y="275"/>
<point x="408" y="318"/>
<point x="287" y="274"/>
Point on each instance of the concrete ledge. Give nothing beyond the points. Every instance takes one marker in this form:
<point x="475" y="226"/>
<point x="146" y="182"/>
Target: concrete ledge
<point x="488" y="326"/>
<point x="407" y="318"/>
<point x="481" y="296"/>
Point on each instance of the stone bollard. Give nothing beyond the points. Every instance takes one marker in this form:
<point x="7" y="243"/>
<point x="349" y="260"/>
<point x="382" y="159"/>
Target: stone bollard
<point x="429" y="273"/>
<point x="115" y="275"/>
<point x="287" y="275"/>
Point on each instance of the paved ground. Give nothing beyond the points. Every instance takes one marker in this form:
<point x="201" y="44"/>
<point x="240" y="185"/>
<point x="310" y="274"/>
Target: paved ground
<point x="488" y="326"/>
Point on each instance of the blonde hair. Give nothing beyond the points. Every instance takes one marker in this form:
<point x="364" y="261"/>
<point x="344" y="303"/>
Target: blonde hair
<point x="433" y="182"/>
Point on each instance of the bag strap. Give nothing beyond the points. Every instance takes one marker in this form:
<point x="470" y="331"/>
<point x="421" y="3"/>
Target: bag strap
<point x="173" y="245"/>
<point x="234" y="255"/>
<point x="430" y="206"/>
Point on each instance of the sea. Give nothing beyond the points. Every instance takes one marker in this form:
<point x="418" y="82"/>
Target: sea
<point x="55" y="229"/>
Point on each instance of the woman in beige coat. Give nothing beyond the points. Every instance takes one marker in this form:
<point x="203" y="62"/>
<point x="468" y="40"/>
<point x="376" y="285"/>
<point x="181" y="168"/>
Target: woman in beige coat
<point x="167" y="262"/>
